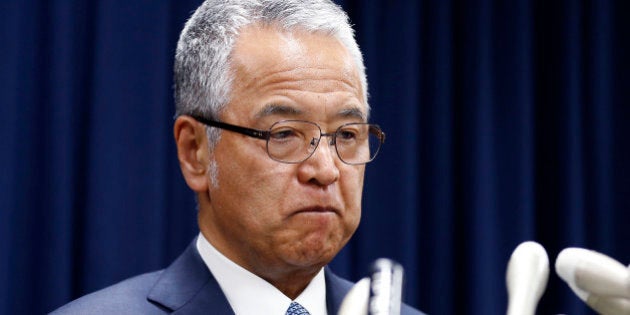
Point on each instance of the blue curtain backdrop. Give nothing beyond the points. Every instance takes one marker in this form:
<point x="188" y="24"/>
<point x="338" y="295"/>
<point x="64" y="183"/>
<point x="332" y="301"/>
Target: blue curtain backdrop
<point x="507" y="121"/>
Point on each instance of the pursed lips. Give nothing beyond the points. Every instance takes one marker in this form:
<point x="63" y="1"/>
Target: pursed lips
<point x="318" y="209"/>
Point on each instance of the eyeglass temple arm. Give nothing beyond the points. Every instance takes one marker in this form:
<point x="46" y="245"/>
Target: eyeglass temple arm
<point x="260" y="134"/>
<point x="377" y="130"/>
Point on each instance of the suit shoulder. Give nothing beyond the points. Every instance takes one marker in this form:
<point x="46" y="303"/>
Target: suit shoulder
<point x="126" y="297"/>
<point x="408" y="310"/>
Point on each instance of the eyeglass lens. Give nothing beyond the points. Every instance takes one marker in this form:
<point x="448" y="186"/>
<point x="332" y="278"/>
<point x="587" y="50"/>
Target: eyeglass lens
<point x="295" y="141"/>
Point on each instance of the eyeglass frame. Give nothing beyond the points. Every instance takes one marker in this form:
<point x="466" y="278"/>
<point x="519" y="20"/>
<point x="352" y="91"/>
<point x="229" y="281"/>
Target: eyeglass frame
<point x="266" y="135"/>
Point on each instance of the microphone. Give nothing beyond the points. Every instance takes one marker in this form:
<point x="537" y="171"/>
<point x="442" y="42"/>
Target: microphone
<point x="600" y="281"/>
<point x="378" y="294"/>
<point x="385" y="287"/>
<point x="526" y="278"/>
<point x="356" y="300"/>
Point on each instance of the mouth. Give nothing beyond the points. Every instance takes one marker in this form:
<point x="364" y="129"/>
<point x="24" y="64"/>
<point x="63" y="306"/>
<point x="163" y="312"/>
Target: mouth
<point x="318" y="210"/>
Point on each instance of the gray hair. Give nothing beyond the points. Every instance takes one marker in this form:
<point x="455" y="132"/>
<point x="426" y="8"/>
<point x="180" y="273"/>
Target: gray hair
<point x="202" y="73"/>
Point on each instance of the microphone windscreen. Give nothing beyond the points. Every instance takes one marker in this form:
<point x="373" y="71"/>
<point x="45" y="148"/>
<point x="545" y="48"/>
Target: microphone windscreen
<point x="356" y="300"/>
<point x="589" y="272"/>
<point x="526" y="278"/>
<point x="605" y="305"/>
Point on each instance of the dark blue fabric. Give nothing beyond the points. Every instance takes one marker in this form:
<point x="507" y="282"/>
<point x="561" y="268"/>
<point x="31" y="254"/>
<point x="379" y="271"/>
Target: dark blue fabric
<point x="505" y="122"/>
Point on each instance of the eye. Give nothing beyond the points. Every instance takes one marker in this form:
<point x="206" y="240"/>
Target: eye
<point x="282" y="134"/>
<point x="286" y="135"/>
<point x="349" y="134"/>
<point x="346" y="134"/>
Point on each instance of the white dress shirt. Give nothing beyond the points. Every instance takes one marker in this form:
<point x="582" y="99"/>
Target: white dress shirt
<point x="249" y="294"/>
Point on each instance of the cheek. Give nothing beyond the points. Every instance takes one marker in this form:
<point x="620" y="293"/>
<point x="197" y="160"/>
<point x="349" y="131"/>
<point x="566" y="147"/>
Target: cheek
<point x="351" y="182"/>
<point x="352" y="191"/>
<point x="251" y="185"/>
<point x="247" y="206"/>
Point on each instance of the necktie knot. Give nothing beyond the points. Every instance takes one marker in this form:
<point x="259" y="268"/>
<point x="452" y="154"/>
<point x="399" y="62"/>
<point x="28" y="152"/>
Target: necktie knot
<point x="296" y="309"/>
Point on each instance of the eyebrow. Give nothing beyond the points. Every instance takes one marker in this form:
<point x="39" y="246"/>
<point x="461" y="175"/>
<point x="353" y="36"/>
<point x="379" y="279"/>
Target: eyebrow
<point x="275" y="109"/>
<point x="353" y="112"/>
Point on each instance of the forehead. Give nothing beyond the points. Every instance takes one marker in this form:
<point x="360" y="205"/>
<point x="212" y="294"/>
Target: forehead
<point x="266" y="58"/>
<point x="269" y="43"/>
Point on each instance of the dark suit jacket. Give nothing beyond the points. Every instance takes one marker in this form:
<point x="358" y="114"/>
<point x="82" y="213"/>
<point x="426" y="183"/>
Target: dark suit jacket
<point x="185" y="287"/>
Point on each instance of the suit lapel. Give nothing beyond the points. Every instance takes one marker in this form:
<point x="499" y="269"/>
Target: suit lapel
<point x="336" y="290"/>
<point x="188" y="287"/>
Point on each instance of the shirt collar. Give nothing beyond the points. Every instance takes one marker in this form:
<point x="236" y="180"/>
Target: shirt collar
<point x="249" y="294"/>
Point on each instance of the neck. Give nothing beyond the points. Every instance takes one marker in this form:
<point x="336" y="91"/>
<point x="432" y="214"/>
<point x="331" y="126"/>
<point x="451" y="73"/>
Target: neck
<point x="293" y="284"/>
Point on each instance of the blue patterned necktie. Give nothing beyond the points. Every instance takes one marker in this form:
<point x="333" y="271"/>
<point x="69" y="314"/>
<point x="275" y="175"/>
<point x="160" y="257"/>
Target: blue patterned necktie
<point x="296" y="309"/>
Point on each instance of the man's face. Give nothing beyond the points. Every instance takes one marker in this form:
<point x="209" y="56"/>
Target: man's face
<point x="269" y="216"/>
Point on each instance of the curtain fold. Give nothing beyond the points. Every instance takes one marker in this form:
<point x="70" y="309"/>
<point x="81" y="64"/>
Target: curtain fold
<point x="505" y="122"/>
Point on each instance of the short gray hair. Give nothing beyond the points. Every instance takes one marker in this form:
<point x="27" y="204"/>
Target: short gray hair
<point x="202" y="73"/>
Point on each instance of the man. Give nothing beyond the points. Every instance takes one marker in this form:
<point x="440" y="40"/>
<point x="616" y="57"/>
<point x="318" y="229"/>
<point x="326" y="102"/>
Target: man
<point x="272" y="135"/>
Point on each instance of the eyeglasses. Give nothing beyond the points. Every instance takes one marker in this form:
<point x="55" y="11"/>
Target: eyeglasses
<point x="294" y="141"/>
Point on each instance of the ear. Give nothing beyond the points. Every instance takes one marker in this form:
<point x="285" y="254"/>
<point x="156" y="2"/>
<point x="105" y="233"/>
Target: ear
<point x="192" y="152"/>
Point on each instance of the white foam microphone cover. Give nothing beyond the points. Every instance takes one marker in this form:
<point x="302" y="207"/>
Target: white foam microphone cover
<point x="602" y="282"/>
<point x="607" y="305"/>
<point x="356" y="300"/>
<point x="526" y="278"/>
<point x="589" y="272"/>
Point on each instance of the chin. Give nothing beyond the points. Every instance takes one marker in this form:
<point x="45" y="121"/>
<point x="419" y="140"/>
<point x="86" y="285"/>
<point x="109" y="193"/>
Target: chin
<point x="311" y="262"/>
<point x="317" y="253"/>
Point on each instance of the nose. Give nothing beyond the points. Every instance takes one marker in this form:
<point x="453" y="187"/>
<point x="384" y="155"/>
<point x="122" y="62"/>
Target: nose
<point x="321" y="168"/>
